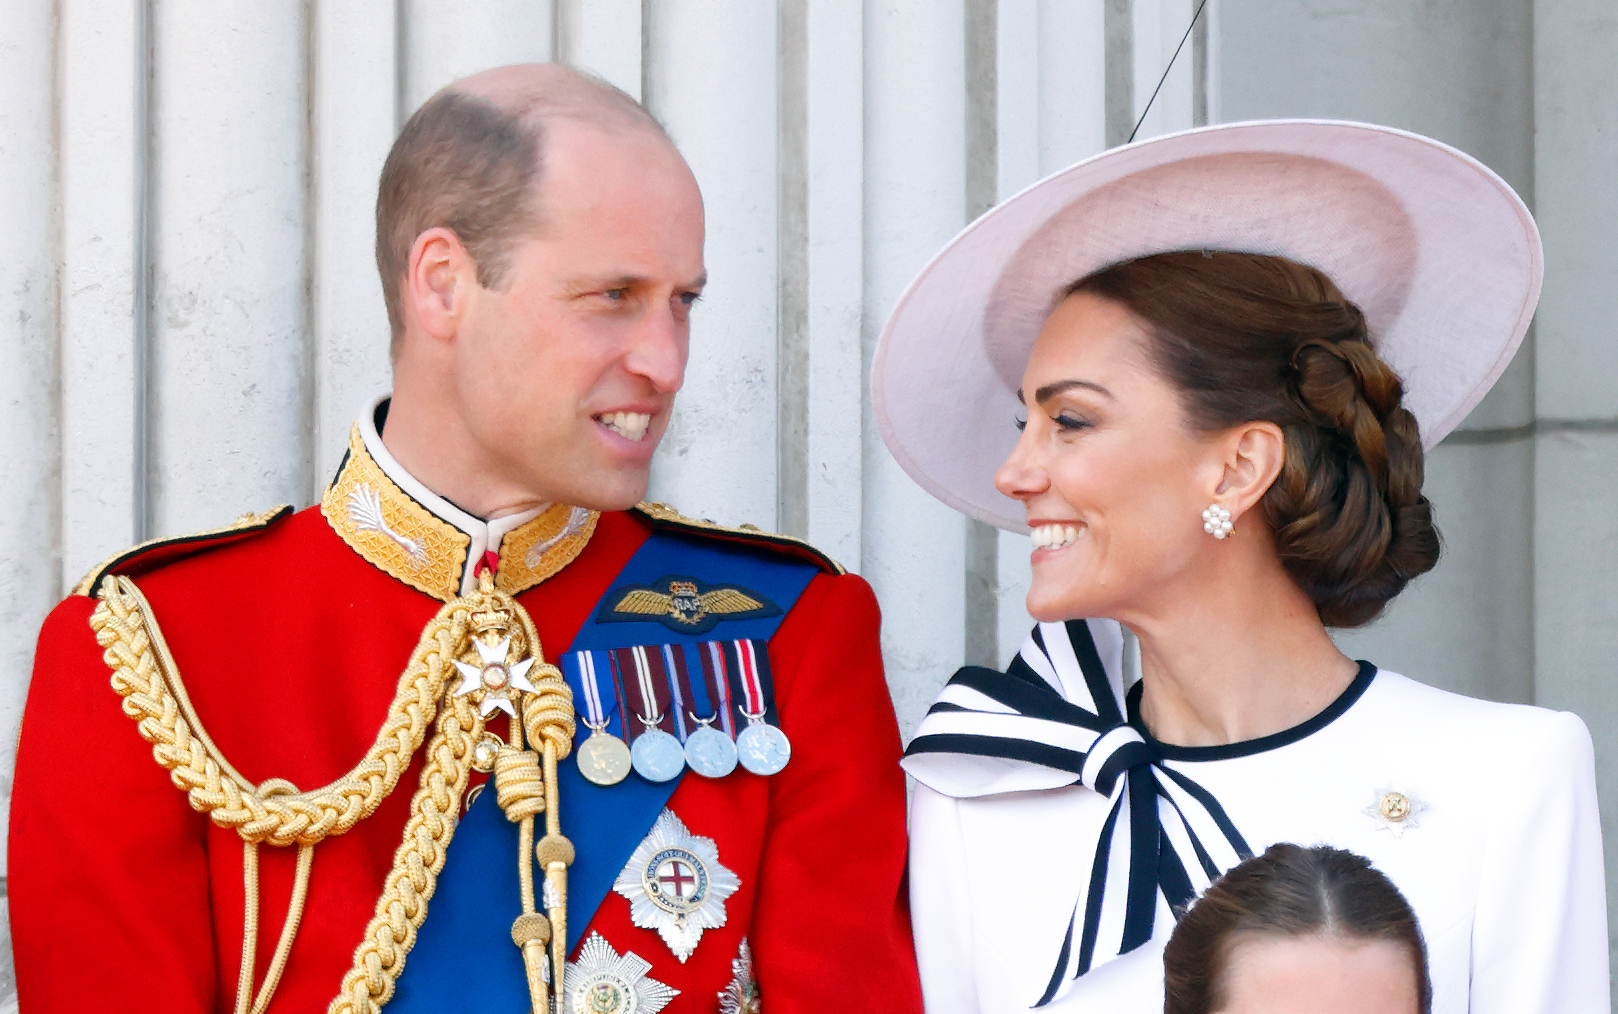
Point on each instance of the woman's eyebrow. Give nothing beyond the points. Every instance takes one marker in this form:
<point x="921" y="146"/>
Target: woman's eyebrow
<point x="1050" y="391"/>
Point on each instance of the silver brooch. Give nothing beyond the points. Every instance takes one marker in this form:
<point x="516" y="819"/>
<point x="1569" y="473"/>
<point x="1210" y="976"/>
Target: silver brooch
<point x="575" y="525"/>
<point x="365" y="511"/>
<point x="675" y="885"/>
<point x="741" y="996"/>
<point x="1395" y="812"/>
<point x="601" y="982"/>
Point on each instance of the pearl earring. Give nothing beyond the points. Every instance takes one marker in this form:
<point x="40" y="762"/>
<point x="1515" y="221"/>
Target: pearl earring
<point x="1216" y="521"/>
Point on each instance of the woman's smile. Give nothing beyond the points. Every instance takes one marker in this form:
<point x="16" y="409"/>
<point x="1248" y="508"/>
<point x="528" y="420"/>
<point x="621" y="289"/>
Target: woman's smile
<point x="1050" y="536"/>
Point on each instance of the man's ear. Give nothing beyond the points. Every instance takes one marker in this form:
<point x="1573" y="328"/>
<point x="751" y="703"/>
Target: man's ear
<point x="1254" y="454"/>
<point x="439" y="277"/>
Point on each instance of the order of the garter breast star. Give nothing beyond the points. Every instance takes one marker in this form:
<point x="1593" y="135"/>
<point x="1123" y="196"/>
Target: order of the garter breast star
<point x="495" y="677"/>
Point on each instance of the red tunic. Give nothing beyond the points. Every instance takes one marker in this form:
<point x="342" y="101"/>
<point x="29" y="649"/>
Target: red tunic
<point x="291" y="645"/>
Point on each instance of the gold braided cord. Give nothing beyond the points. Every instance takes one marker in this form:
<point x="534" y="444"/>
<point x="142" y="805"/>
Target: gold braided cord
<point x="144" y="674"/>
<point x="402" y="907"/>
<point x="244" y="979"/>
<point x="276" y="812"/>
<point x="289" y="928"/>
<point x="547" y="713"/>
<point x="519" y="784"/>
<point x="548" y="718"/>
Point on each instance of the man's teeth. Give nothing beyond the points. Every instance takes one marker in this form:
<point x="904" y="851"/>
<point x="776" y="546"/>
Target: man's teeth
<point x="629" y="425"/>
<point x="1053" y="536"/>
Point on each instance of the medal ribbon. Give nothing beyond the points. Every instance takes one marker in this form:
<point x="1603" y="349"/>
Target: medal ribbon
<point x="716" y="674"/>
<point x="679" y="689"/>
<point x="647" y="694"/>
<point x="690" y="677"/>
<point x="589" y="671"/>
<point x="753" y="668"/>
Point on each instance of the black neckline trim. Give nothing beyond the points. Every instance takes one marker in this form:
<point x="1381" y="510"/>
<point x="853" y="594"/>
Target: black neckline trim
<point x="1246" y="748"/>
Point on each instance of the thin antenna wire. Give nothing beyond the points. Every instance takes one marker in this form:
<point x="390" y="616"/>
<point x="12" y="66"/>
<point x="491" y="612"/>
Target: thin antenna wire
<point x="1166" y="70"/>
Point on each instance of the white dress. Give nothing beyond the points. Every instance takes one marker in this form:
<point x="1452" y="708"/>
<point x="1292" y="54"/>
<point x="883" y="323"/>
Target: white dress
<point x="1500" y="858"/>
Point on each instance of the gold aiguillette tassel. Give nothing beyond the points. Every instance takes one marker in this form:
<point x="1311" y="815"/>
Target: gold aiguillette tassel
<point x="531" y="932"/>
<point x="525" y="784"/>
<point x="555" y="854"/>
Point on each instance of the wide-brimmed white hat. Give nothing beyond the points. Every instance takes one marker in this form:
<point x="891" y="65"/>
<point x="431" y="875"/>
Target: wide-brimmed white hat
<point x="1438" y="251"/>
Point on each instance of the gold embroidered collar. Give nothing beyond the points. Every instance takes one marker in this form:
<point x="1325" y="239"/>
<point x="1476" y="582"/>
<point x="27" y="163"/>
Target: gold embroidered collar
<point x="418" y="537"/>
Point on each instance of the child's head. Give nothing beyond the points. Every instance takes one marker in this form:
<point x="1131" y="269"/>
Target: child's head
<point x="1298" y="931"/>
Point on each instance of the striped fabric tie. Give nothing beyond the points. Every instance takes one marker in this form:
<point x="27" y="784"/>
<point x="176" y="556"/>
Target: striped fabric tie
<point x="1054" y="718"/>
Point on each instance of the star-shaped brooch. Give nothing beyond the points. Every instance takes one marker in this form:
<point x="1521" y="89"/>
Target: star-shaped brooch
<point x="495" y="677"/>
<point x="601" y="982"/>
<point x="675" y="885"/>
<point x="1395" y="812"/>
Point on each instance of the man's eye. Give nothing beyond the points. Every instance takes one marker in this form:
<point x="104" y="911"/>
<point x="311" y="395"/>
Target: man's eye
<point x="1021" y="424"/>
<point x="615" y="294"/>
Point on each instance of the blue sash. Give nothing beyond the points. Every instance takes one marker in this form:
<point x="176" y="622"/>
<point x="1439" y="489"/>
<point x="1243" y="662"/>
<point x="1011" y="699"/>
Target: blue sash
<point x="463" y="958"/>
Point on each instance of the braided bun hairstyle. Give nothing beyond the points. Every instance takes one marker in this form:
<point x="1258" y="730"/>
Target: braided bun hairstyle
<point x="1251" y="337"/>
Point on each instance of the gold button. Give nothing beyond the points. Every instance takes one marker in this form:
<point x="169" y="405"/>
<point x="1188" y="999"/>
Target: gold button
<point x="483" y="754"/>
<point x="1394" y="807"/>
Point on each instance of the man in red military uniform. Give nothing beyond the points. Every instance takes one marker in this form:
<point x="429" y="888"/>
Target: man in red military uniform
<point x="251" y="767"/>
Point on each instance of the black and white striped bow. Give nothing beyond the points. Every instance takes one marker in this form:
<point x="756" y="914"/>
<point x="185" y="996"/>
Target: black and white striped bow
<point x="1055" y="718"/>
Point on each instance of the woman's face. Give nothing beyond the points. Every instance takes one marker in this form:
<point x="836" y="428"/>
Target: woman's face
<point x="1113" y="481"/>
<point x="1319" y="975"/>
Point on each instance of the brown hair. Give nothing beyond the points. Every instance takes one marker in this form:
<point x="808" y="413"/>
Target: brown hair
<point x="1249" y="337"/>
<point x="466" y="164"/>
<point x="1289" y="891"/>
<point x="462" y="163"/>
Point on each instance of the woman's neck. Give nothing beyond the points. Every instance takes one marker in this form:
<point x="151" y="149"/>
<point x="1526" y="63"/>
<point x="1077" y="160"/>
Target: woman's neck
<point x="1238" y="662"/>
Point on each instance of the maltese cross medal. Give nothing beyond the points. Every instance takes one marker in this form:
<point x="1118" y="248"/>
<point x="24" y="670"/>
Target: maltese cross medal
<point x="495" y="677"/>
<point x="675" y="885"/>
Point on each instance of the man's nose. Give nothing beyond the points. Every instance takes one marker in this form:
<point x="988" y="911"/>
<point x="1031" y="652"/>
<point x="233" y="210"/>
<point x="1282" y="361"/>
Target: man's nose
<point x="658" y="349"/>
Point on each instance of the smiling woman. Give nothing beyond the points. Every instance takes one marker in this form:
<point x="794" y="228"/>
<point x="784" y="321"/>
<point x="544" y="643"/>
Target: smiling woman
<point x="1224" y="351"/>
<point x="1234" y="338"/>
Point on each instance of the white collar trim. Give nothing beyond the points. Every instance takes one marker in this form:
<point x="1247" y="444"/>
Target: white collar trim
<point x="485" y="535"/>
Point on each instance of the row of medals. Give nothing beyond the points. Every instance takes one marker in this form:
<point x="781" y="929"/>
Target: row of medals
<point x="658" y="757"/>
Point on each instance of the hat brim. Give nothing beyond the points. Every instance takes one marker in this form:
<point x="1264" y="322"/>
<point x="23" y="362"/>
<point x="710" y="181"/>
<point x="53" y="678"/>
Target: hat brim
<point x="1435" y="248"/>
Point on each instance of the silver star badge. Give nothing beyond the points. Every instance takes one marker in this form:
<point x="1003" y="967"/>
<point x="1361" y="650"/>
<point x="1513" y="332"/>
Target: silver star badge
<point x="1395" y="812"/>
<point x="601" y="982"/>
<point x="495" y="677"/>
<point x="675" y="885"/>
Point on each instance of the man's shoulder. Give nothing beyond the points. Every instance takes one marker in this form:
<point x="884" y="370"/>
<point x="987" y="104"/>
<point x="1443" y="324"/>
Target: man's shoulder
<point x="156" y="554"/>
<point x="662" y="517"/>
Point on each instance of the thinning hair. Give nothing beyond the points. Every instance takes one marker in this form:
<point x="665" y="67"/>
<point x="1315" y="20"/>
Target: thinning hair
<point x="471" y="164"/>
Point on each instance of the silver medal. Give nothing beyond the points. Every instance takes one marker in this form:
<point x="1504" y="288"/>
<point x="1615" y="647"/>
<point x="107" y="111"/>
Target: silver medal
<point x="603" y="758"/>
<point x="762" y="748"/>
<point x="657" y="756"/>
<point x="710" y="752"/>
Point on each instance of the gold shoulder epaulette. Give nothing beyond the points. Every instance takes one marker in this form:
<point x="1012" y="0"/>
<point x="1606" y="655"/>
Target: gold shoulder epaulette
<point x="662" y="515"/>
<point x="177" y="546"/>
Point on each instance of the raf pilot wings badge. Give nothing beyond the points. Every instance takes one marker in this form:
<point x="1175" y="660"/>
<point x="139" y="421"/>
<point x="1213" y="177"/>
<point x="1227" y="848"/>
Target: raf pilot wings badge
<point x="684" y="604"/>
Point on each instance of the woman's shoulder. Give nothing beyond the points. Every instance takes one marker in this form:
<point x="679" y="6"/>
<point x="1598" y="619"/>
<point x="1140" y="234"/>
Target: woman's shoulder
<point x="1463" y="725"/>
